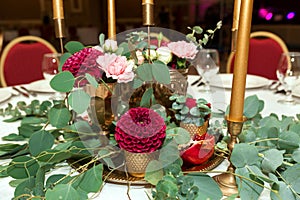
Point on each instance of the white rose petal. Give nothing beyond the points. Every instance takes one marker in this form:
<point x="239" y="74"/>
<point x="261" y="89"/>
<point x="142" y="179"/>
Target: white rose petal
<point x="164" y="54"/>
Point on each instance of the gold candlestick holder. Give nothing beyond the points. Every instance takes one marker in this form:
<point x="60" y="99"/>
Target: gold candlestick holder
<point x="59" y="27"/>
<point x="148" y="19"/>
<point x="226" y="181"/>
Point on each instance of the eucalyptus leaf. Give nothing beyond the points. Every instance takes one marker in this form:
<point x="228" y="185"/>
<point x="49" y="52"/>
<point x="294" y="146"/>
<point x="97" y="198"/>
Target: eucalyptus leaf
<point x="64" y="192"/>
<point x="284" y="192"/>
<point x="208" y="188"/>
<point x="248" y="189"/>
<point x="161" y="72"/>
<point x="33" y="120"/>
<point x="63" y="59"/>
<point x="144" y="72"/>
<point x="273" y="158"/>
<point x="91" y="180"/>
<point x="79" y="101"/>
<point x="13" y="137"/>
<point x="25" y="187"/>
<point x="26" y="130"/>
<point x="288" y="140"/>
<point x="137" y="82"/>
<point x="59" y="116"/>
<point x="63" y="81"/>
<point x="91" y="80"/>
<point x="146" y="98"/>
<point x="251" y="106"/>
<point x="154" y="172"/>
<point x="244" y="154"/>
<point x="180" y="135"/>
<point x="22" y="167"/>
<point x="74" y="46"/>
<point x="296" y="155"/>
<point x="57" y="178"/>
<point x="40" y="141"/>
<point x="54" y="156"/>
<point x="292" y="177"/>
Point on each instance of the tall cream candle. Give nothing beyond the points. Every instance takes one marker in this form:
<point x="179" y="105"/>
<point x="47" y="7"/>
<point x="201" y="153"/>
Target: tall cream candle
<point x="58" y="10"/>
<point x="241" y="62"/>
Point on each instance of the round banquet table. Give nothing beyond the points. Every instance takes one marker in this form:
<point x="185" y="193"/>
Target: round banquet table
<point x="219" y="98"/>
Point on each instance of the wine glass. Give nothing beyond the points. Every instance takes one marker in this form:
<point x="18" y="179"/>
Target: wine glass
<point x="288" y="72"/>
<point x="50" y="65"/>
<point x="207" y="64"/>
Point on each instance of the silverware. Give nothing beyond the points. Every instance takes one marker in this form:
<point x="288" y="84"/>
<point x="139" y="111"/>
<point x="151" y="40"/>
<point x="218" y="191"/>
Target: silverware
<point x="197" y="81"/>
<point x="21" y="92"/>
<point x="28" y="91"/>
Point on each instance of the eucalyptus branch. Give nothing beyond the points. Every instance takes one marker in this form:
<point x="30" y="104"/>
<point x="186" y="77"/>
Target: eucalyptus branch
<point x="288" y="185"/>
<point x="264" y="140"/>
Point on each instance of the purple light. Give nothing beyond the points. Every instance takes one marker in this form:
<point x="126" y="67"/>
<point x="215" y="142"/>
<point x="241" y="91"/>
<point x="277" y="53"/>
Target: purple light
<point x="290" y="15"/>
<point x="269" y="16"/>
<point x="262" y="12"/>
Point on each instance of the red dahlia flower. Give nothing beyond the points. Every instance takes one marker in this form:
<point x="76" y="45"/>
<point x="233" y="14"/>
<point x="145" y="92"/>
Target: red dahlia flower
<point x="82" y="62"/>
<point x="140" y="130"/>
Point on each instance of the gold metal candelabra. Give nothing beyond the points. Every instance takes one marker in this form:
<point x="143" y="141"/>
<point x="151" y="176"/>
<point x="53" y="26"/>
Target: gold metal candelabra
<point x="236" y="119"/>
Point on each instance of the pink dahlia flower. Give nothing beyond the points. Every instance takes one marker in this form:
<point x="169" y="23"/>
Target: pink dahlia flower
<point x="140" y="130"/>
<point x="82" y="62"/>
<point x="183" y="49"/>
<point x="117" y="67"/>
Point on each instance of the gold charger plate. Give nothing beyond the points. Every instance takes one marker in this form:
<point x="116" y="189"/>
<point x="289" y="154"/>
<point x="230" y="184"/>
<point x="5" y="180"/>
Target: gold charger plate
<point x="121" y="177"/>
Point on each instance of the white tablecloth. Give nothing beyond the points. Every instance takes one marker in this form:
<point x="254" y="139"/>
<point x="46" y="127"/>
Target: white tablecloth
<point x="219" y="98"/>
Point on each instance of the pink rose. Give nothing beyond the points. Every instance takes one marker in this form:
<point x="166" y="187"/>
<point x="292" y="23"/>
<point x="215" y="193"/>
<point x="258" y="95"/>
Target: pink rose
<point x="116" y="67"/>
<point x="190" y="103"/>
<point x="140" y="57"/>
<point x="183" y="49"/>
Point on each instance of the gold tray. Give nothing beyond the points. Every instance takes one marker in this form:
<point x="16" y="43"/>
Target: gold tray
<point x="121" y="177"/>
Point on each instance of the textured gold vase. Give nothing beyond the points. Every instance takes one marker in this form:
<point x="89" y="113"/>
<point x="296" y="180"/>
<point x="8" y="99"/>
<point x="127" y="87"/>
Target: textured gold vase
<point x="136" y="163"/>
<point x="195" y="130"/>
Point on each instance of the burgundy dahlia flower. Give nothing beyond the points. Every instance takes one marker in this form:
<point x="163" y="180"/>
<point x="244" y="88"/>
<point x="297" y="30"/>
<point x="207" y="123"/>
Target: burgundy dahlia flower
<point x="82" y="62"/>
<point x="140" y="130"/>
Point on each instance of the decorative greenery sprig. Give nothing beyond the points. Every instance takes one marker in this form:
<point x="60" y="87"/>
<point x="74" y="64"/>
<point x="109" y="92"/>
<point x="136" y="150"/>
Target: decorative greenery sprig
<point x="209" y="34"/>
<point x="189" y="110"/>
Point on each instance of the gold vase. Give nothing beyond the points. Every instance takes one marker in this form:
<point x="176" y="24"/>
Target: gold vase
<point x="100" y="110"/>
<point x="136" y="163"/>
<point x="195" y="130"/>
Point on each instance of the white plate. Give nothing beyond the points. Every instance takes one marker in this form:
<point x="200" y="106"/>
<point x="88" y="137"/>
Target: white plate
<point x="4" y="95"/>
<point x="40" y="86"/>
<point x="296" y="91"/>
<point x="225" y="81"/>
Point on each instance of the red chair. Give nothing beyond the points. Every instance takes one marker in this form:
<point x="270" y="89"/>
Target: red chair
<point x="264" y="53"/>
<point x="21" y="60"/>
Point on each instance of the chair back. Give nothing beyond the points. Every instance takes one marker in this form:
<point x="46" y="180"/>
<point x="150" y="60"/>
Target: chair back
<point x="265" y="49"/>
<point x="21" y="60"/>
<point x="1" y="41"/>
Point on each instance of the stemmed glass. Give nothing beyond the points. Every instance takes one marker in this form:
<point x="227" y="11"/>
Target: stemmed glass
<point x="50" y="66"/>
<point x="288" y="72"/>
<point x="207" y="64"/>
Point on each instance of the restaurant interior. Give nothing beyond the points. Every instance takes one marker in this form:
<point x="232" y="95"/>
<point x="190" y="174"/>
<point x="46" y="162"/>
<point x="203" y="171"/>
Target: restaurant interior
<point x="203" y="103"/>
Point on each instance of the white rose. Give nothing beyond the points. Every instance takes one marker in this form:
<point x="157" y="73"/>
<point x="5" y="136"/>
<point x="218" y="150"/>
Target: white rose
<point x="164" y="54"/>
<point x="110" y="45"/>
<point x="153" y="54"/>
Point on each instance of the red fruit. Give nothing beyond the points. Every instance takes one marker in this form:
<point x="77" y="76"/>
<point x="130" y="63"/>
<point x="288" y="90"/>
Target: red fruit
<point x="199" y="152"/>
